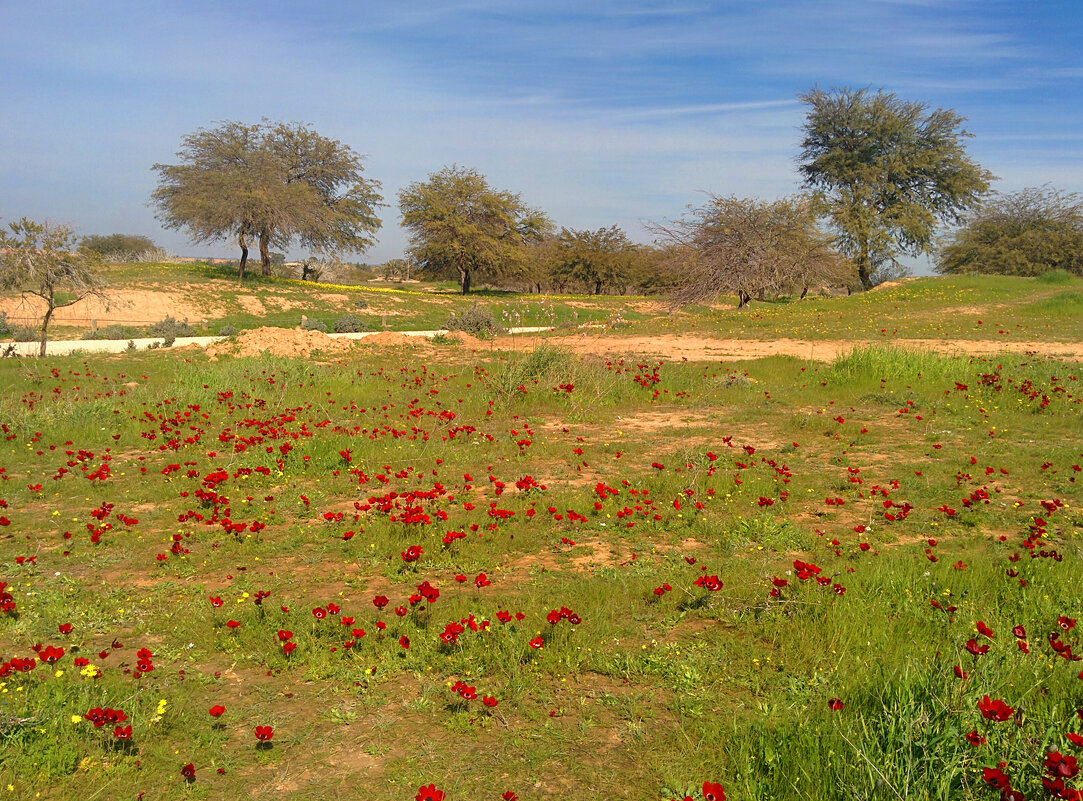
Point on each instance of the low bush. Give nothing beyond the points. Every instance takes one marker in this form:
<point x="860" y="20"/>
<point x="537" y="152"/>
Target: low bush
<point x="112" y="332"/>
<point x="312" y="324"/>
<point x="228" y="330"/>
<point x="350" y="324"/>
<point x="476" y="320"/>
<point x="170" y="327"/>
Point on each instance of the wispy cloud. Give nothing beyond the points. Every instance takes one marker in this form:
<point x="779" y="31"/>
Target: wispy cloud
<point x="608" y="112"/>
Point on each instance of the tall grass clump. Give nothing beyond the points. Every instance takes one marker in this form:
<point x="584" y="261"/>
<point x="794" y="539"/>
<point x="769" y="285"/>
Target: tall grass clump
<point x="1063" y="304"/>
<point x="876" y="362"/>
<point x="1057" y="277"/>
<point x="548" y="369"/>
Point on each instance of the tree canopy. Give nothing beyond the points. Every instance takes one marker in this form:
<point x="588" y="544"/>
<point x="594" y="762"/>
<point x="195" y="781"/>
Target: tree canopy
<point x="599" y="259"/>
<point x="272" y="182"/>
<point x="461" y="227"/>
<point x="749" y="248"/>
<point x="1028" y="232"/>
<point x="886" y="171"/>
<point x="41" y="260"/>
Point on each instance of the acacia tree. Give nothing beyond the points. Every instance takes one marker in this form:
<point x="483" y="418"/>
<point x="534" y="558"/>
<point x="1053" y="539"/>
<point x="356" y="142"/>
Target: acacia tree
<point x="602" y="258"/>
<point x="41" y="260"/>
<point x="122" y="247"/>
<point x="886" y="171"/>
<point x="1028" y="232"/>
<point x="749" y="248"/>
<point x="460" y="226"/>
<point x="272" y="183"/>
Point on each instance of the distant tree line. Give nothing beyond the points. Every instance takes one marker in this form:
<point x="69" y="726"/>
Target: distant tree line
<point x="880" y="175"/>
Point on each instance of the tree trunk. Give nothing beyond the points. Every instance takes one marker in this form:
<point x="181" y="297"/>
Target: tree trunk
<point x="45" y="328"/>
<point x="743" y="298"/>
<point x="265" y="252"/>
<point x="464" y="280"/>
<point x="243" y="242"/>
<point x="597" y="287"/>
<point x="863" y="271"/>
<point x="804" y="291"/>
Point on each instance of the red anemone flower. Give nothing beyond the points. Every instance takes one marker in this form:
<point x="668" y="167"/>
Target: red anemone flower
<point x="712" y="791"/>
<point x="996" y="777"/>
<point x="429" y="793"/>
<point x="264" y="733"/>
<point x="834" y="704"/>
<point x="994" y="709"/>
<point x="217" y="711"/>
<point x="189" y="772"/>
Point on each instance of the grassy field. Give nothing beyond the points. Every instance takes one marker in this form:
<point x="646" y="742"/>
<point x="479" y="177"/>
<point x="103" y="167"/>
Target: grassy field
<point x="999" y="308"/>
<point x="536" y="575"/>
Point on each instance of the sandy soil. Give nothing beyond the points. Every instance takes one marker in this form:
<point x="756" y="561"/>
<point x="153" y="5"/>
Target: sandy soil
<point x="280" y="342"/>
<point x="295" y="342"/>
<point x="136" y="307"/>
<point x="699" y="348"/>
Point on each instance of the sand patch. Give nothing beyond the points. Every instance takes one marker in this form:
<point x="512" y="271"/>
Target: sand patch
<point x="251" y="304"/>
<point x="127" y="306"/>
<point x="699" y="348"/>
<point x="279" y="342"/>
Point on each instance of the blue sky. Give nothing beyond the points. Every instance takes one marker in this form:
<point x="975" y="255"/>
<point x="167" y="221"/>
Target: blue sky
<point x="600" y="113"/>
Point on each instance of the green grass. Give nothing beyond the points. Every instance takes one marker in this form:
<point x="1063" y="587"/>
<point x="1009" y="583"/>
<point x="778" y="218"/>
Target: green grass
<point x="657" y="474"/>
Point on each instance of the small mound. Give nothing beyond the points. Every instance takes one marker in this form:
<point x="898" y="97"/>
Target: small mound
<point x="279" y="342"/>
<point x="390" y="339"/>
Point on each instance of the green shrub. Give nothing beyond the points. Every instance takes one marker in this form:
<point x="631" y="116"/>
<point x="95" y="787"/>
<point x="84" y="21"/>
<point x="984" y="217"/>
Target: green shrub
<point x="350" y="324"/>
<point x="312" y="324"/>
<point x="6" y="328"/>
<point x="170" y="327"/>
<point x="476" y="320"/>
<point x="112" y="332"/>
<point x="24" y="333"/>
<point x="228" y="330"/>
<point x="360" y="303"/>
<point x="122" y="247"/>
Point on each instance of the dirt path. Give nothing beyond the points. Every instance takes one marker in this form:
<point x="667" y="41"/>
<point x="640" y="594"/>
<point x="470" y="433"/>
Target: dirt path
<point x="700" y="348"/>
<point x="671" y="347"/>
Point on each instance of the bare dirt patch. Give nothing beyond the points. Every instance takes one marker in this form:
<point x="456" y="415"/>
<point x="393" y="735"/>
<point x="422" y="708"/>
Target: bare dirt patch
<point x="699" y="348"/>
<point x="251" y="304"/>
<point x="389" y="339"/>
<point x="132" y="306"/>
<point x="279" y="342"/>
